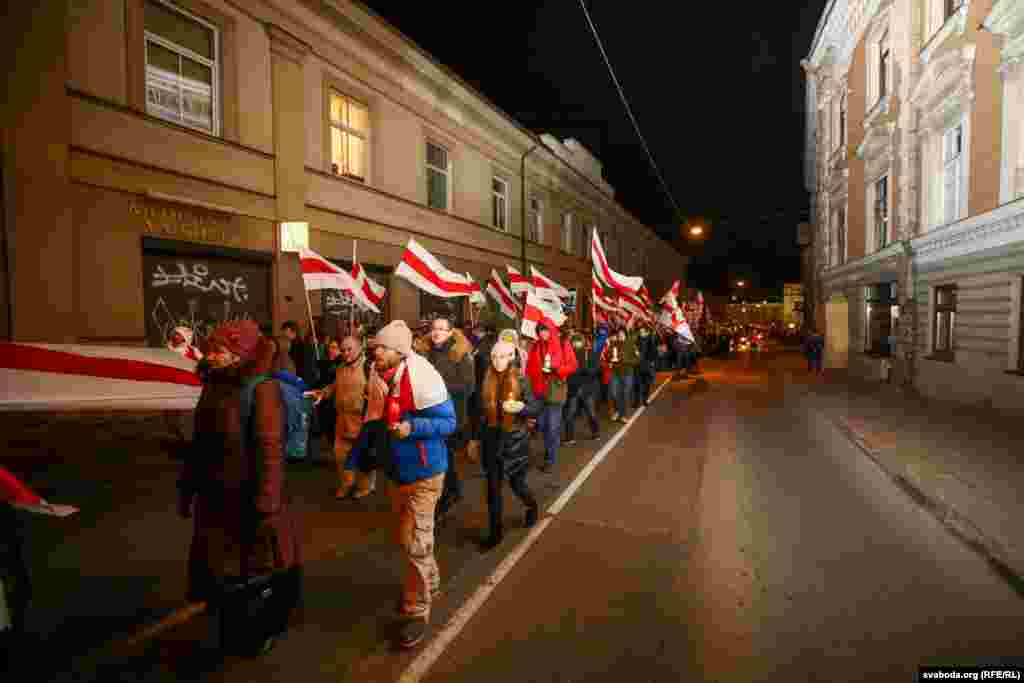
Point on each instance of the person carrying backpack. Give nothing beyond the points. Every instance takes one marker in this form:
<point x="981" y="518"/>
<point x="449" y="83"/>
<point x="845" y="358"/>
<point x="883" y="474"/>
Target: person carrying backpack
<point x="245" y="558"/>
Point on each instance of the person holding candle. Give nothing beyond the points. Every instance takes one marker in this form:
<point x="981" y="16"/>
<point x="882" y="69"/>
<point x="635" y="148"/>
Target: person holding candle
<point x="548" y="367"/>
<point x="507" y="403"/>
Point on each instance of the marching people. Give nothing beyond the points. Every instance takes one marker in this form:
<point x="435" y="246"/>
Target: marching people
<point x="647" y="347"/>
<point x="583" y="388"/>
<point x="347" y="394"/>
<point x="814" y="350"/>
<point x="620" y="359"/>
<point x="326" y="411"/>
<point x="507" y="403"/>
<point x="411" y="395"/>
<point x="232" y="485"/>
<point x="548" y="367"/>
<point x="450" y="352"/>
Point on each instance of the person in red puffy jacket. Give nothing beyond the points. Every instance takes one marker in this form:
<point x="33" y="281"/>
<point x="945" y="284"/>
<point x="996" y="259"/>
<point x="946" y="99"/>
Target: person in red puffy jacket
<point x="548" y="367"/>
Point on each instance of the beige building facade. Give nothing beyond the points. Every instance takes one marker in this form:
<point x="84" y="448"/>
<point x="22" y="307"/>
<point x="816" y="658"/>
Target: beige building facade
<point x="153" y="150"/>
<point x="915" y="167"/>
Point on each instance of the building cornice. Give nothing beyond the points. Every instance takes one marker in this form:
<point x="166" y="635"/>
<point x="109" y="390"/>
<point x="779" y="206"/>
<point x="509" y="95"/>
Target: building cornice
<point x="837" y="272"/>
<point x="997" y="228"/>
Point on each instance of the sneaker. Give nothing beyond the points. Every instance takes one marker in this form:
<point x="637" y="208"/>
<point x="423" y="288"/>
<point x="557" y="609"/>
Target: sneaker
<point x="413" y="632"/>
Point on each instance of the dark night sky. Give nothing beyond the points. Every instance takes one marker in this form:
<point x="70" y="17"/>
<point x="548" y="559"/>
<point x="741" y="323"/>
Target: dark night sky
<point x="716" y="88"/>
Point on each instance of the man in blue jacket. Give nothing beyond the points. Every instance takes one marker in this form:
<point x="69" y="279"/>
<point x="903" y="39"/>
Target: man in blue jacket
<point x="410" y="395"/>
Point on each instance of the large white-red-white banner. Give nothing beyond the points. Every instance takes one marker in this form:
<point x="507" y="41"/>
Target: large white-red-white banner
<point x="425" y="272"/>
<point x="55" y="377"/>
<point x="622" y="283"/>
<point x="319" y="273"/>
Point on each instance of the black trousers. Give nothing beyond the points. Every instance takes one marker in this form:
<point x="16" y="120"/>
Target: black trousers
<point x="643" y="385"/>
<point x="494" y="466"/>
<point x="452" y="489"/>
<point x="582" y="402"/>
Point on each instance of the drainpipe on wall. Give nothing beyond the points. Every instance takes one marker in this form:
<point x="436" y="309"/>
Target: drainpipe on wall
<point x="522" y="226"/>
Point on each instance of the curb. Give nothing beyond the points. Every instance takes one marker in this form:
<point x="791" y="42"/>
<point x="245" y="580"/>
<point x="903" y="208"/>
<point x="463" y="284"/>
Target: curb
<point x="960" y="526"/>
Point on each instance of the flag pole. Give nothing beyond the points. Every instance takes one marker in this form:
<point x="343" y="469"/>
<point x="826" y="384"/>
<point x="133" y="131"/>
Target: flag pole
<point x="312" y="324"/>
<point x="352" y="308"/>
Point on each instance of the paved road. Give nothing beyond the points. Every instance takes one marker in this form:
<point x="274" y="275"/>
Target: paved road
<point x="735" y="536"/>
<point x="732" y="535"/>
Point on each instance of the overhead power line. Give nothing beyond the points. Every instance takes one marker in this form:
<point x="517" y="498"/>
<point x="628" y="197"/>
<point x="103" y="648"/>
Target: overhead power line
<point x="629" y="110"/>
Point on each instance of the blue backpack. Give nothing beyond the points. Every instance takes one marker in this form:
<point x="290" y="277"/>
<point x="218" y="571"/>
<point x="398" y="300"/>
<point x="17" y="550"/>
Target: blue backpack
<point x="298" y="411"/>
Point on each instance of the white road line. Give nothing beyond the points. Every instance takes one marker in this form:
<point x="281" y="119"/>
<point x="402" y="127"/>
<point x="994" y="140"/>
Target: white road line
<point x="421" y="664"/>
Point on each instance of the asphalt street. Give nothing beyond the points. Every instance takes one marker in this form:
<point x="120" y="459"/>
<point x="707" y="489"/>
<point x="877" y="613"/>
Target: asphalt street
<point x="731" y="535"/>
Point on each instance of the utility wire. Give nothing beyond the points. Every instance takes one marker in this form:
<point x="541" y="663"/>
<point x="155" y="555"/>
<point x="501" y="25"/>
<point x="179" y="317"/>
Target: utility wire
<point x="629" y="110"/>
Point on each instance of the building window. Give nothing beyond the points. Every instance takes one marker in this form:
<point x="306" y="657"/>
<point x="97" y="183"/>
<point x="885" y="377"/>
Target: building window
<point x="883" y="66"/>
<point x="182" y="70"/>
<point x="567" y="221"/>
<point x="881" y="212"/>
<point x="952" y="173"/>
<point x="350" y="126"/>
<point x="881" y="315"/>
<point x="583" y="240"/>
<point x="839" y="231"/>
<point x="535" y="224"/>
<point x="944" y="322"/>
<point x="438" y="177"/>
<point x="499" y="203"/>
<point x="952" y="6"/>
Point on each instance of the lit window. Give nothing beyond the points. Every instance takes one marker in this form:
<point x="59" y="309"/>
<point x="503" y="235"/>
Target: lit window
<point x="182" y="70"/>
<point x="535" y="224"/>
<point x="438" y="177"/>
<point x="499" y="203"/>
<point x="350" y="125"/>
<point x="944" y="322"/>
<point x="882" y="313"/>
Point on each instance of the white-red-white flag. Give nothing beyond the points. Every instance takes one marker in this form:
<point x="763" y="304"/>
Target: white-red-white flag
<point x="602" y="299"/>
<point x="517" y="282"/>
<point x="374" y="292"/>
<point x="539" y="311"/>
<point x="502" y="296"/>
<point x="476" y="297"/>
<point x="425" y="272"/>
<point x="676" y="321"/>
<point x="543" y="282"/>
<point x="616" y="281"/>
<point x="319" y="273"/>
<point x="671" y="297"/>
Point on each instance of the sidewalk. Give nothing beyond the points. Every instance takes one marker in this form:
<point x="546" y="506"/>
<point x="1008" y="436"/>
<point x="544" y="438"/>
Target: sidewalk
<point x="964" y="464"/>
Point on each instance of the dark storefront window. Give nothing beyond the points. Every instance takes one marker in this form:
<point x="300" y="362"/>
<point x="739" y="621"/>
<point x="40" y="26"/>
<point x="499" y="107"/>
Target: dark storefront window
<point x="882" y="315"/>
<point x="438" y="307"/>
<point x="944" y="323"/>
<point x="201" y="287"/>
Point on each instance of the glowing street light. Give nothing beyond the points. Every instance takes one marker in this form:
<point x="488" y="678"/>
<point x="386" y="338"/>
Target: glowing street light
<point x="696" y="231"/>
<point x="740" y="283"/>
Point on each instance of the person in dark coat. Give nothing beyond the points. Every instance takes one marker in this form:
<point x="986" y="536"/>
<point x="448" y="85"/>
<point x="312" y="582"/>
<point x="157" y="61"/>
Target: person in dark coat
<point x="507" y="402"/>
<point x="647" y="346"/>
<point x="232" y="485"/>
<point x="451" y="354"/>
<point x="583" y="388"/>
<point x="326" y="412"/>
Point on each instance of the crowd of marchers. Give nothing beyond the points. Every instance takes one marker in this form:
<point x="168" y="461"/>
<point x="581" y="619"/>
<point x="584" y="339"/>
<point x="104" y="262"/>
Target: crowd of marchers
<point x="407" y="405"/>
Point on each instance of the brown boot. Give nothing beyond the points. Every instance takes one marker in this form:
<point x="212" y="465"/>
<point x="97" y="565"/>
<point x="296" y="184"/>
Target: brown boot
<point x="348" y="480"/>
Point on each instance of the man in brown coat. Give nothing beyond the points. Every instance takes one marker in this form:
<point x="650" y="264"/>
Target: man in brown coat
<point x="349" y="393"/>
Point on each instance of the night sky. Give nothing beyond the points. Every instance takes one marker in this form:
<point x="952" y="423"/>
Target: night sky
<point x="716" y="88"/>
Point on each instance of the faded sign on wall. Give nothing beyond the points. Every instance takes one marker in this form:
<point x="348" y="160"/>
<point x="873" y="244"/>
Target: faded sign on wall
<point x="200" y="292"/>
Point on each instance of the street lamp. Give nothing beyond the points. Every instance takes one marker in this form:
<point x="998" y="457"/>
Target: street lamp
<point x="740" y="283"/>
<point x="696" y="231"/>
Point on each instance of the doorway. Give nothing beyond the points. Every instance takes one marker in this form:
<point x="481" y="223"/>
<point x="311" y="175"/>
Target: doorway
<point x="837" y="332"/>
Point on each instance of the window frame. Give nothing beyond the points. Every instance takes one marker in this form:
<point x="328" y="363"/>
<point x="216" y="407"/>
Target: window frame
<point x="215" y="65"/>
<point x="840" y="245"/>
<point x="945" y="167"/>
<point x="874" y="298"/>
<point x="446" y="172"/>
<point x="505" y="198"/>
<point x="535" y="220"/>
<point x="884" y="65"/>
<point x="881" y="228"/>
<point x="939" y="309"/>
<point x="335" y="90"/>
